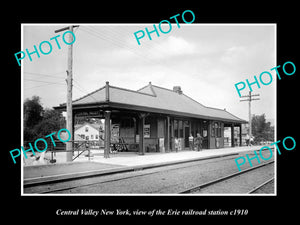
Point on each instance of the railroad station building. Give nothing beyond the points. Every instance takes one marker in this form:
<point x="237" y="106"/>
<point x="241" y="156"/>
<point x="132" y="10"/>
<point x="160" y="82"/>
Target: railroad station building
<point x="149" y="119"/>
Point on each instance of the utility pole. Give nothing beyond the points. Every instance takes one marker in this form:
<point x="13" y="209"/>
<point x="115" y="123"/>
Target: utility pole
<point x="249" y="99"/>
<point x="69" y="145"/>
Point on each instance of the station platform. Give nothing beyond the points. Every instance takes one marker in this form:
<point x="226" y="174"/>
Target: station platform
<point x="119" y="162"/>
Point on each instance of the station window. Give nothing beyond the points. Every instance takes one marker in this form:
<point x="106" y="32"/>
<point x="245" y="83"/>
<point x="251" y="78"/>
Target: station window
<point x="86" y="129"/>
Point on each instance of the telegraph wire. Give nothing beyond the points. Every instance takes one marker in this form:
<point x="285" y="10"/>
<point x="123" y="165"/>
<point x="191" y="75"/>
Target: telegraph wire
<point x="112" y="35"/>
<point x="77" y="85"/>
<point x="48" y="83"/>
<point x="112" y="41"/>
<point x="117" y="44"/>
<point x="101" y="36"/>
<point x="46" y="75"/>
<point x="148" y="47"/>
<point x="42" y="81"/>
<point x="145" y="45"/>
<point x="43" y="85"/>
<point x="43" y="75"/>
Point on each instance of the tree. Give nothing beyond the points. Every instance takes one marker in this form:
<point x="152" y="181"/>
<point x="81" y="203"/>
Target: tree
<point x="52" y="121"/>
<point x="262" y="130"/>
<point x="33" y="111"/>
<point x="39" y="122"/>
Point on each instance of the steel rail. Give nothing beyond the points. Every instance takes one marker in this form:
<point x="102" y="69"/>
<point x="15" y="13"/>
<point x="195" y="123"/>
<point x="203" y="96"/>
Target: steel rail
<point x="198" y="187"/>
<point x="172" y="167"/>
<point x="261" y="185"/>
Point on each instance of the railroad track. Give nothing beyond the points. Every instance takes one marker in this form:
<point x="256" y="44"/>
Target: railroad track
<point x="67" y="185"/>
<point x="218" y="180"/>
<point x="261" y="186"/>
<point x="47" y="188"/>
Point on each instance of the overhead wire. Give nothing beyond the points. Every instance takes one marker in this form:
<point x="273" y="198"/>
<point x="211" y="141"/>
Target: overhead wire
<point x="112" y="36"/>
<point x="43" y="74"/>
<point x="146" y="45"/>
<point x="42" y="81"/>
<point x="28" y="88"/>
<point x="148" y="48"/>
<point x="77" y="85"/>
<point x="47" y="83"/>
<point x="96" y="34"/>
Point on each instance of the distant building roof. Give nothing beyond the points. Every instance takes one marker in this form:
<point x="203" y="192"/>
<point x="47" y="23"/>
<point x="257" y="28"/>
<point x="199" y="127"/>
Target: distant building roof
<point x="152" y="98"/>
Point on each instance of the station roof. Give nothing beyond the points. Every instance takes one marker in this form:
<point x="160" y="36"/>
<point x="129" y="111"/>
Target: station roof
<point x="152" y="98"/>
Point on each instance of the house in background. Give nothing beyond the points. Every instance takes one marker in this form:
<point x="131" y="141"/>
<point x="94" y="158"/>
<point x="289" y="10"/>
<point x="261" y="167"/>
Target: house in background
<point x="89" y="132"/>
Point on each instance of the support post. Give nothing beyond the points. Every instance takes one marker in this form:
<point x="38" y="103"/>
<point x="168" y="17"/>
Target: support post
<point x="172" y="135"/>
<point x="69" y="144"/>
<point x="168" y="134"/>
<point x="142" y="117"/>
<point x="141" y="135"/>
<point x="209" y="128"/>
<point x="249" y="99"/>
<point x="241" y="139"/>
<point x="250" y="118"/>
<point x="69" y="125"/>
<point x="232" y="135"/>
<point x="107" y="134"/>
<point x="73" y="134"/>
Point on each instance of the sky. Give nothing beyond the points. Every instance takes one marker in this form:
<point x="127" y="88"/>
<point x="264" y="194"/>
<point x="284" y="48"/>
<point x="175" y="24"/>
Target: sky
<point x="206" y="60"/>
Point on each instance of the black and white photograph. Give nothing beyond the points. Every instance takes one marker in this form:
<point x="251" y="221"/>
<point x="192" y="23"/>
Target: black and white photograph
<point x="153" y="115"/>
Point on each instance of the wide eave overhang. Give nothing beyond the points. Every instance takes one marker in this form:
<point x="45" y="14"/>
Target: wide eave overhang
<point x="122" y="106"/>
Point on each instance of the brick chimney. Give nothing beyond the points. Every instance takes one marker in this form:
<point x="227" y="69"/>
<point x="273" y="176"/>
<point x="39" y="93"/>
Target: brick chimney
<point x="177" y="89"/>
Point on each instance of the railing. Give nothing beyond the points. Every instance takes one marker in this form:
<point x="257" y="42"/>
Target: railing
<point x="80" y="147"/>
<point x="77" y="146"/>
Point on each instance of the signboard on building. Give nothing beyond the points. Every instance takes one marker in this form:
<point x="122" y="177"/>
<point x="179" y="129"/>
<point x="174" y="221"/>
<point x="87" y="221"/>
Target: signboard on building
<point x="95" y="113"/>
